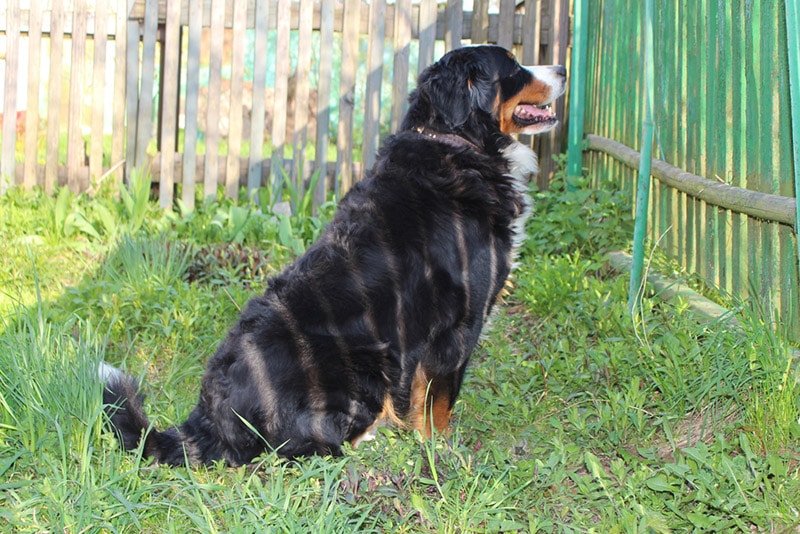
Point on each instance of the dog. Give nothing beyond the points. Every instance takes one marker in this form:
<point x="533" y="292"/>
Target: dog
<point x="376" y="322"/>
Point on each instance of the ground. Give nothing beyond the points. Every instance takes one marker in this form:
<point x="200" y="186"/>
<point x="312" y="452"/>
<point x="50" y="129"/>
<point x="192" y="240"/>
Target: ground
<point x="575" y="416"/>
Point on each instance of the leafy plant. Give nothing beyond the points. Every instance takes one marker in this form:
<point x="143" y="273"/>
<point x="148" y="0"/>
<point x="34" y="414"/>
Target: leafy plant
<point x="136" y="199"/>
<point x="571" y="217"/>
<point x="69" y="217"/>
<point x="232" y="222"/>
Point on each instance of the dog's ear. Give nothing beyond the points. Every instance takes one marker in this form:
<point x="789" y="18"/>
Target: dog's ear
<point x="455" y="89"/>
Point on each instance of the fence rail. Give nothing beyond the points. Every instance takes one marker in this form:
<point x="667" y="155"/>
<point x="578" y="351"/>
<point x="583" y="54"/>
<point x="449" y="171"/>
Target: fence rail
<point x="763" y="206"/>
<point x="209" y="93"/>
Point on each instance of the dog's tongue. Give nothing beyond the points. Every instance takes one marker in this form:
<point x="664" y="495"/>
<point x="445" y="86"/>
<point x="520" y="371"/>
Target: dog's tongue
<point x="531" y="112"/>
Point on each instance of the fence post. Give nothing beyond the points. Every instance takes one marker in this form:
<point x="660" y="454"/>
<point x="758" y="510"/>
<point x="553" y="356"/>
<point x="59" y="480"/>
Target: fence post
<point x="643" y="189"/>
<point x="793" y="46"/>
<point x="577" y="91"/>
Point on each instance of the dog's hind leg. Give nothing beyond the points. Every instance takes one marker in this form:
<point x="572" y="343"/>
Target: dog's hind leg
<point x="432" y="399"/>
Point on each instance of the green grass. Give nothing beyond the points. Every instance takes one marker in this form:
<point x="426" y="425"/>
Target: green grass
<point x="574" y="416"/>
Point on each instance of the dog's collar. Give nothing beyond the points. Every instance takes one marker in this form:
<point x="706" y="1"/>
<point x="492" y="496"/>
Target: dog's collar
<point x="447" y="138"/>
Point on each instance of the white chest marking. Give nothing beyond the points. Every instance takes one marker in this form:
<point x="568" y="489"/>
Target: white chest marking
<point x="523" y="167"/>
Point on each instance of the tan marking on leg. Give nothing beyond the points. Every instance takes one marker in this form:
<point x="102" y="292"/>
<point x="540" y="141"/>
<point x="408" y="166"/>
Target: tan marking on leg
<point x="386" y="417"/>
<point x="441" y="414"/>
<point x="428" y="412"/>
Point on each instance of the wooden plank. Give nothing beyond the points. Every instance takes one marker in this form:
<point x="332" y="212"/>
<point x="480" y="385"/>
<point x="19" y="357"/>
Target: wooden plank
<point x="282" y="73"/>
<point x="98" y="107"/>
<point x="697" y="165"/>
<point x="323" y="97"/>
<point x="661" y="192"/>
<point x="723" y="160"/>
<point x="144" y="117"/>
<point x="786" y="158"/>
<point x="301" y="94"/>
<point x="688" y="122"/>
<point x="76" y="152"/>
<point x="748" y="150"/>
<point x="190" y="126"/>
<point x="428" y="14"/>
<point x="684" y="207"/>
<point x="170" y="75"/>
<point x="606" y="82"/>
<point x="8" y="153"/>
<point x="212" y="133"/>
<point x="594" y="46"/>
<point x="402" y="49"/>
<point x="769" y="181"/>
<point x="372" y="91"/>
<point x="505" y="36"/>
<point x="615" y="120"/>
<point x="347" y="95"/>
<point x="30" y="178"/>
<point x="257" y="125"/>
<point x="654" y="226"/>
<point x="664" y="121"/>
<point x="788" y="283"/>
<point x="454" y="24"/>
<point x="732" y="221"/>
<point x="132" y="92"/>
<point x="479" y="29"/>
<point x="669" y="116"/>
<point x="705" y="140"/>
<point x="119" y="89"/>
<point x="54" y="97"/>
<point x="233" y="169"/>
<point x="551" y="141"/>
<point x="775" y="127"/>
<point x="531" y="34"/>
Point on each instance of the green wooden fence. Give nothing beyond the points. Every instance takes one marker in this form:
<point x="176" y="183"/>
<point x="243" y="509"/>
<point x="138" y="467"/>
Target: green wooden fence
<point x="723" y="199"/>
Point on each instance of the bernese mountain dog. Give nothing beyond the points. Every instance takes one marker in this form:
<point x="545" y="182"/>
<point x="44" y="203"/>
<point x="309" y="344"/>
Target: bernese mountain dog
<point x="375" y="323"/>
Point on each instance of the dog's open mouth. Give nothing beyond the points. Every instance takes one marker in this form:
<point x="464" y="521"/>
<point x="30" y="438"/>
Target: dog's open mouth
<point x="530" y="114"/>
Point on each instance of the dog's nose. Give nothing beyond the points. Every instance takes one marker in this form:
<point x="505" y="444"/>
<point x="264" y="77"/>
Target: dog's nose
<point x="561" y="71"/>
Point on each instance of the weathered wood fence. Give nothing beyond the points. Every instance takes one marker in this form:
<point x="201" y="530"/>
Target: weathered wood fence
<point x="63" y="71"/>
<point x="723" y="202"/>
<point x="209" y="93"/>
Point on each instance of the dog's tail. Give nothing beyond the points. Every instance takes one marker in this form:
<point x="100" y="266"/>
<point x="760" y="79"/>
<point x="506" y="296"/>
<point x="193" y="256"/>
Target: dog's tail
<point x="125" y="410"/>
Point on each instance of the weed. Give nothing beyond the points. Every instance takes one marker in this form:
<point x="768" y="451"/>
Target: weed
<point x="136" y="199"/>
<point x="571" y="217"/>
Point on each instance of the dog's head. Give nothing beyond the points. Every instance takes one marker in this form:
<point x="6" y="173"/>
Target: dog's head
<point x="476" y="87"/>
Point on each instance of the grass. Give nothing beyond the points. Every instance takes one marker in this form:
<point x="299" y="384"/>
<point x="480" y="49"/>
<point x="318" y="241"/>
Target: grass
<point x="574" y="416"/>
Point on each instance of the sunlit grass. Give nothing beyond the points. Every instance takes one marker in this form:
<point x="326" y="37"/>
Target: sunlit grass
<point x="574" y="416"/>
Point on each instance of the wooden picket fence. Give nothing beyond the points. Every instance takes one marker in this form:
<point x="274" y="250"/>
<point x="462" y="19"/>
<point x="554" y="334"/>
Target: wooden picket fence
<point x="210" y="93"/>
<point x="63" y="73"/>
